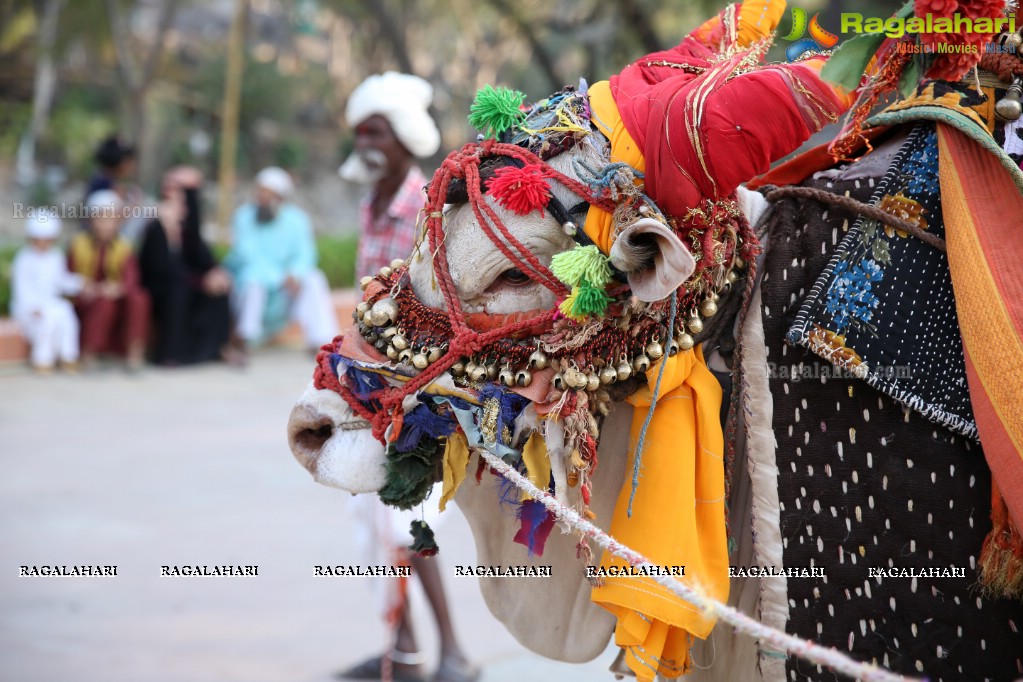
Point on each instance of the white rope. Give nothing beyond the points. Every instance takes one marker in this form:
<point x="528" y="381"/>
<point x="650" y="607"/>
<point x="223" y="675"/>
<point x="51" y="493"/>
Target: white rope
<point x="711" y="608"/>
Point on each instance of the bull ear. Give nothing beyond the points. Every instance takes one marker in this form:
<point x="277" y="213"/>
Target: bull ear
<point x="654" y="259"/>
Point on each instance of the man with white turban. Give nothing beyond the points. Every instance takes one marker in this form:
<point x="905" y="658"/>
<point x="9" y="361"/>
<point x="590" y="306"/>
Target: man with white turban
<point x="392" y="129"/>
<point x="273" y="261"/>
<point x="40" y="283"/>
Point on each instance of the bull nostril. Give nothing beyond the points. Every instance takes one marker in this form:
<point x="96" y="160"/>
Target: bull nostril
<point x="314" y="438"/>
<point x="308" y="431"/>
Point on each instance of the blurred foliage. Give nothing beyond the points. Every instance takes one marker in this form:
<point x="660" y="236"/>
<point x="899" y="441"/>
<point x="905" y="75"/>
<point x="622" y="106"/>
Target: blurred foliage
<point x="14" y="117"/>
<point x="6" y="261"/>
<point x="81" y="117"/>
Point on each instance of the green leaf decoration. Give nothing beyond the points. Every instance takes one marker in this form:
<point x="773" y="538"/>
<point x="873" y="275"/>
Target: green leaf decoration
<point x="910" y="77"/>
<point x="847" y="64"/>
<point x="495" y="110"/>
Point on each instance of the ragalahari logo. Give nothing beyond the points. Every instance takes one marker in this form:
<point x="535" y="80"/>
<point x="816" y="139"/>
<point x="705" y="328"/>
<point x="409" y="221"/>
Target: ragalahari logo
<point x="819" y="40"/>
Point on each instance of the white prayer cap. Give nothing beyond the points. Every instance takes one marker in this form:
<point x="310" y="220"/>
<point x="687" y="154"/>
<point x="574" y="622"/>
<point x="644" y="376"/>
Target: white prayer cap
<point x="277" y="180"/>
<point x="43" y="225"/>
<point x="104" y="198"/>
<point x="403" y="100"/>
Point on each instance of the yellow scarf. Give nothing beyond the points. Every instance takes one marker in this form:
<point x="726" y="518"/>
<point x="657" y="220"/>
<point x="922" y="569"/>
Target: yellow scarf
<point x="85" y="256"/>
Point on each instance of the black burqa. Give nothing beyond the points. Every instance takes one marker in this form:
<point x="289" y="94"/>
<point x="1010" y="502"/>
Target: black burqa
<point x="191" y="325"/>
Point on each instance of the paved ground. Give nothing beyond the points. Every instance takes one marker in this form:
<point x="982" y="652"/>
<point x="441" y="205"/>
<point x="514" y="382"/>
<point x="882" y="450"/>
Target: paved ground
<point x="192" y="466"/>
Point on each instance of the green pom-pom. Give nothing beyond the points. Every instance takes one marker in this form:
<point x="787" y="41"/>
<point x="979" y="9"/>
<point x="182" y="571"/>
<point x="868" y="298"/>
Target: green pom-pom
<point x="410" y="475"/>
<point x="590" y="300"/>
<point x="582" y="263"/>
<point x="495" y="110"/>
<point x="423" y="543"/>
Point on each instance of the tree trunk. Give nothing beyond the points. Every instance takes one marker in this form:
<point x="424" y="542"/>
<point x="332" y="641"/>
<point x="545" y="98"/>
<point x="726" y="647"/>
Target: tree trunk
<point x="42" y="99"/>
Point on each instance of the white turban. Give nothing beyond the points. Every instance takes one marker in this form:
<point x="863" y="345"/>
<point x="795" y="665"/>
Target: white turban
<point x="277" y="180"/>
<point x="403" y="100"/>
<point x="43" y="225"/>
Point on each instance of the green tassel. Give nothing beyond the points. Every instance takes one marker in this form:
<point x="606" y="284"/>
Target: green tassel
<point x="495" y="110"/>
<point x="410" y="475"/>
<point x="423" y="543"/>
<point x="582" y="263"/>
<point x="590" y="300"/>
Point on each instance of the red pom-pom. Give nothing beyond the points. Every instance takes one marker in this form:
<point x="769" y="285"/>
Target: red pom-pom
<point x="520" y="190"/>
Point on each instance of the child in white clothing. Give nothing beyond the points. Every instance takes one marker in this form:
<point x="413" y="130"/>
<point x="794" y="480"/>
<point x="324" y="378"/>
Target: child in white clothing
<point x="40" y="281"/>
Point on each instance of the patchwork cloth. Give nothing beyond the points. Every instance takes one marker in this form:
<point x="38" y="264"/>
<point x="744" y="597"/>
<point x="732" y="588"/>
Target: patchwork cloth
<point x="883" y="309"/>
<point x="866" y="483"/>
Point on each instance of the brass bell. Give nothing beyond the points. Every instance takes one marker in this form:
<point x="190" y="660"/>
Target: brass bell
<point x="458" y="369"/>
<point x="392" y="352"/>
<point x="673" y="348"/>
<point x="364" y="282"/>
<point x="383" y="312"/>
<point x="686" y="341"/>
<point x="405" y="356"/>
<point x="491" y="372"/>
<point x="389" y="332"/>
<point x="709" y="308"/>
<point x="624" y="370"/>
<point x="476" y="373"/>
<point x="641" y="363"/>
<point x="654" y="350"/>
<point x="419" y="361"/>
<point x="361" y="310"/>
<point x="592" y="382"/>
<point x="558" y="382"/>
<point x="385" y="271"/>
<point x="731" y="277"/>
<point x="1011" y="41"/>
<point x="695" y="324"/>
<point x="506" y="377"/>
<point x="380" y="344"/>
<point x="1009" y="108"/>
<point x="372" y="336"/>
<point x="397" y="263"/>
<point x="608" y="375"/>
<point x="399" y="342"/>
<point x="523" y="378"/>
<point x="570" y="228"/>
<point x="537" y="360"/>
<point x="434" y="354"/>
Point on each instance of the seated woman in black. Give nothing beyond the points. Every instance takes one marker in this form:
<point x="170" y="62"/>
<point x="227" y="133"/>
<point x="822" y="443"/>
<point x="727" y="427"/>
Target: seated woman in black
<point x="189" y="290"/>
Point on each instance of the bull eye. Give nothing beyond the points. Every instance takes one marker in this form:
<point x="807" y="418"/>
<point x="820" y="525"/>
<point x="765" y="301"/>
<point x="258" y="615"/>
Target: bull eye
<point x="514" y="277"/>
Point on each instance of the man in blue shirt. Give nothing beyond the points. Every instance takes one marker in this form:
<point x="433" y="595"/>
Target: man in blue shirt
<point x="273" y="259"/>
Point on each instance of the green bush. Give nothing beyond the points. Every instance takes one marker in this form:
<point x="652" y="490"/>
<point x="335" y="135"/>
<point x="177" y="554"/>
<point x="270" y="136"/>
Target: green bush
<point x="6" y="261"/>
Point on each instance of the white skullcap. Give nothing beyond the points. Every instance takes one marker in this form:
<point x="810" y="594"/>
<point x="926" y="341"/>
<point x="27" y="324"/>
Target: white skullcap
<point x="277" y="180"/>
<point x="403" y="100"/>
<point x="104" y="198"/>
<point x="43" y="225"/>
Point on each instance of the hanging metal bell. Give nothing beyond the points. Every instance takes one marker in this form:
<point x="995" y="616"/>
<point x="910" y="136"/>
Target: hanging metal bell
<point x="476" y="373"/>
<point x="361" y="310"/>
<point x="731" y="277"/>
<point x="654" y="350"/>
<point x="641" y="363"/>
<point x="405" y="356"/>
<point x="389" y="332"/>
<point x="592" y="382"/>
<point x="364" y="282"/>
<point x="458" y="369"/>
<point x="491" y="372"/>
<point x="399" y="342"/>
<point x="624" y="370"/>
<point x="709" y="308"/>
<point x="1009" y="108"/>
<point x="383" y="312"/>
<point x="419" y="361"/>
<point x="695" y="325"/>
<point x="434" y="354"/>
<point x="558" y="382"/>
<point x="673" y="348"/>
<point x="397" y="263"/>
<point x="608" y="375"/>
<point x="392" y="352"/>
<point x="506" y="377"/>
<point x="523" y="378"/>
<point x="537" y="360"/>
<point x="385" y="271"/>
<point x="686" y="341"/>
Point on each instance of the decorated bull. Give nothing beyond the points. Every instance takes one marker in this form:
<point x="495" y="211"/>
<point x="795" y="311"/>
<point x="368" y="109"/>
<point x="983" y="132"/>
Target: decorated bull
<point x="773" y="395"/>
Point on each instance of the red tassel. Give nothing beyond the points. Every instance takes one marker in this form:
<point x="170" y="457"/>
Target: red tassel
<point x="520" y="190"/>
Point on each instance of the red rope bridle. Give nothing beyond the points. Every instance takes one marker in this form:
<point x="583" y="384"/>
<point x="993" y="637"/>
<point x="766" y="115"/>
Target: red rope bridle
<point x="463" y="164"/>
